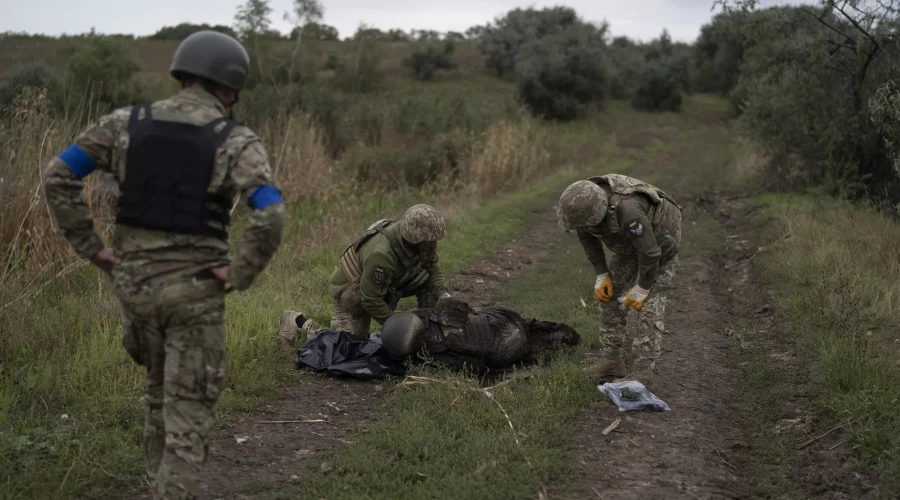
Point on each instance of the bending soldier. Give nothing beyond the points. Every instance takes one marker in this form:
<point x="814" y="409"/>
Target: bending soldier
<point x="179" y="164"/>
<point x="389" y="261"/>
<point x="641" y="226"/>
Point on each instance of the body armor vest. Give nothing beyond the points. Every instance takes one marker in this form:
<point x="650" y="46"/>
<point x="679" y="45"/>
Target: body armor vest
<point x="168" y="170"/>
<point x="622" y="186"/>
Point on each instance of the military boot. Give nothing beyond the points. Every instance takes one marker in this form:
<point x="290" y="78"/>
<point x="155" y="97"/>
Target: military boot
<point x="605" y="368"/>
<point x="288" y="331"/>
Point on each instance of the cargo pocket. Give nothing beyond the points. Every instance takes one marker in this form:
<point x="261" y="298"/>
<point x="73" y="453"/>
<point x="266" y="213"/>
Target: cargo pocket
<point x="350" y="298"/>
<point x="132" y="342"/>
<point x="214" y="362"/>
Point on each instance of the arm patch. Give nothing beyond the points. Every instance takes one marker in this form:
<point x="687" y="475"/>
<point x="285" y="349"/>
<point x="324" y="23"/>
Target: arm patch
<point x="78" y="161"/>
<point x="378" y="275"/>
<point x="635" y="228"/>
<point x="263" y="196"/>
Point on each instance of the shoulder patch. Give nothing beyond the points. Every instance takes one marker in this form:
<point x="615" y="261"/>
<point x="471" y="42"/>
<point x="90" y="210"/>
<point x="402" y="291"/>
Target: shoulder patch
<point x="635" y="228"/>
<point x="378" y="275"/>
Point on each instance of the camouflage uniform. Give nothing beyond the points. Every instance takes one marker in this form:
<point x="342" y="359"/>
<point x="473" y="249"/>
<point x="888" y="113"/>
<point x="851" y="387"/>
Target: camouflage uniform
<point x="172" y="305"/>
<point x="385" y="265"/>
<point x="641" y="225"/>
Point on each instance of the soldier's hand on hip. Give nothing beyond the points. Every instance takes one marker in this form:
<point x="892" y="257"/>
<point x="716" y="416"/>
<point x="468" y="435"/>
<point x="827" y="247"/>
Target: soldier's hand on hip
<point x="105" y="260"/>
<point x="223" y="273"/>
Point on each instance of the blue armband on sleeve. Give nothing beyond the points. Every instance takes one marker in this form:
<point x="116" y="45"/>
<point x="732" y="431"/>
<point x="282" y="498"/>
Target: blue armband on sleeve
<point x="78" y="161"/>
<point x="264" y="196"/>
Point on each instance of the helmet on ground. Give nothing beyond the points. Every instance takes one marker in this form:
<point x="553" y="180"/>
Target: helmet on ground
<point x="214" y="56"/>
<point x="582" y="204"/>
<point x="403" y="335"/>
<point x="422" y="223"/>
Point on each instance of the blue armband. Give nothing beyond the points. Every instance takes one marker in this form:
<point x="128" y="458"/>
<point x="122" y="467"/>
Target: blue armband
<point x="264" y="196"/>
<point x="78" y="161"/>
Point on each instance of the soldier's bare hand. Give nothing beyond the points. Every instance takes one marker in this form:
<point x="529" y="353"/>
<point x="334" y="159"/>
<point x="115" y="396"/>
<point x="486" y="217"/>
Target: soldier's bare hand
<point x="223" y="273"/>
<point x="105" y="260"/>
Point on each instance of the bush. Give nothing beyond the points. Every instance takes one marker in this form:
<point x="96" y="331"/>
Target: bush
<point x="562" y="74"/>
<point x="425" y="63"/>
<point x="103" y="68"/>
<point x="333" y="62"/>
<point x="360" y="72"/>
<point x="409" y="165"/>
<point x="659" y="90"/>
<point x="18" y="79"/>
<point x="502" y="40"/>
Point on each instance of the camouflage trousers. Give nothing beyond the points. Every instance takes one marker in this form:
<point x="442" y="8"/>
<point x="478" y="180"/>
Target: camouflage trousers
<point x="635" y="337"/>
<point x="356" y="320"/>
<point x="178" y="334"/>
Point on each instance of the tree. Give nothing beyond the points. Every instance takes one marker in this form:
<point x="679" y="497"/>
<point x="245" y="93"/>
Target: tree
<point x="315" y="31"/>
<point x="561" y="74"/>
<point x="501" y="40"/>
<point x="184" y="30"/>
<point x="302" y="14"/>
<point x="252" y="22"/>
<point x="425" y="62"/>
<point x="454" y="36"/>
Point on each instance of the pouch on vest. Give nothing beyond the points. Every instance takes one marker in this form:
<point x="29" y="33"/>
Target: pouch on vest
<point x="168" y="170"/>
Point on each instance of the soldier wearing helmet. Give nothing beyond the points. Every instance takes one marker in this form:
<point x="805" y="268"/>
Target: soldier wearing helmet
<point x="641" y="225"/>
<point x="179" y="164"/>
<point x="392" y="259"/>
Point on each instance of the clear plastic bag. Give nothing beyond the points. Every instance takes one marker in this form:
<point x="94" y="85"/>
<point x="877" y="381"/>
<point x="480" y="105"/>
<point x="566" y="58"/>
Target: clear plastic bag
<point x="640" y="399"/>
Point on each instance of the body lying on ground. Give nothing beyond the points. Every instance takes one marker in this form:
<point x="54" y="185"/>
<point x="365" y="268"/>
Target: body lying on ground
<point x="454" y="334"/>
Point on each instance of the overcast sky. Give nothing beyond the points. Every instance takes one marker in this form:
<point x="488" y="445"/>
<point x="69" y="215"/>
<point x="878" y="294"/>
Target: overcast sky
<point x="638" y="19"/>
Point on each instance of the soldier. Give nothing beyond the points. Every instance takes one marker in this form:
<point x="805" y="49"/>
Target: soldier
<point x="453" y="333"/>
<point x="641" y="225"/>
<point x="389" y="261"/>
<point x="179" y="164"/>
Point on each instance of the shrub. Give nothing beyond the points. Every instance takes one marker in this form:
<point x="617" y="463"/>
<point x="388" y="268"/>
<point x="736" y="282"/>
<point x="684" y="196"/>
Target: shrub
<point x="333" y="62"/>
<point x="561" y="74"/>
<point x="502" y="40"/>
<point x="17" y="80"/>
<point x="425" y="62"/>
<point x="103" y="68"/>
<point x="360" y="72"/>
<point x="659" y="90"/>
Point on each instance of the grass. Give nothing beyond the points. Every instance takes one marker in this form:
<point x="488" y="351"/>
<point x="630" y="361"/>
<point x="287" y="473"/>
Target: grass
<point x="69" y="406"/>
<point x="451" y="439"/>
<point x="70" y="415"/>
<point x="836" y="279"/>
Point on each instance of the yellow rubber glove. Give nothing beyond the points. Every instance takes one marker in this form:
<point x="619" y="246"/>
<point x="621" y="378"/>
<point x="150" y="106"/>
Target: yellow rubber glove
<point x="634" y="298"/>
<point x="603" y="289"/>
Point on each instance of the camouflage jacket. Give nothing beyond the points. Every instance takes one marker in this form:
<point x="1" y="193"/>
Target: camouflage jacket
<point x="634" y="226"/>
<point x="153" y="258"/>
<point x="388" y="262"/>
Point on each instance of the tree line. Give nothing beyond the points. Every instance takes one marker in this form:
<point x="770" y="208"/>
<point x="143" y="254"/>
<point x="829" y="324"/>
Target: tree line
<point x="813" y="86"/>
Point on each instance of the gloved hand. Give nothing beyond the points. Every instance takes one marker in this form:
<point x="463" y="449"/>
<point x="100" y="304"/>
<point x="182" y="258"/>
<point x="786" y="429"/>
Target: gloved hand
<point x="634" y="298"/>
<point x="603" y="289"/>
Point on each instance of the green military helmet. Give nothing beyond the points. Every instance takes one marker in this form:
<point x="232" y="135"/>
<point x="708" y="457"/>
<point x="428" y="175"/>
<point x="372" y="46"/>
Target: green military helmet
<point x="422" y="223"/>
<point x="582" y="204"/>
<point x="403" y="334"/>
<point x="215" y="56"/>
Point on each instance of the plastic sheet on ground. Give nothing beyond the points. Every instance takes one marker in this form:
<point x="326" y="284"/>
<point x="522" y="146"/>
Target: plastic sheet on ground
<point x="342" y="354"/>
<point x="641" y="399"/>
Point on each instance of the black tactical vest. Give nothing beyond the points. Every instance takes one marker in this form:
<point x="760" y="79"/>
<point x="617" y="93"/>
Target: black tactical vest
<point x="167" y="174"/>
